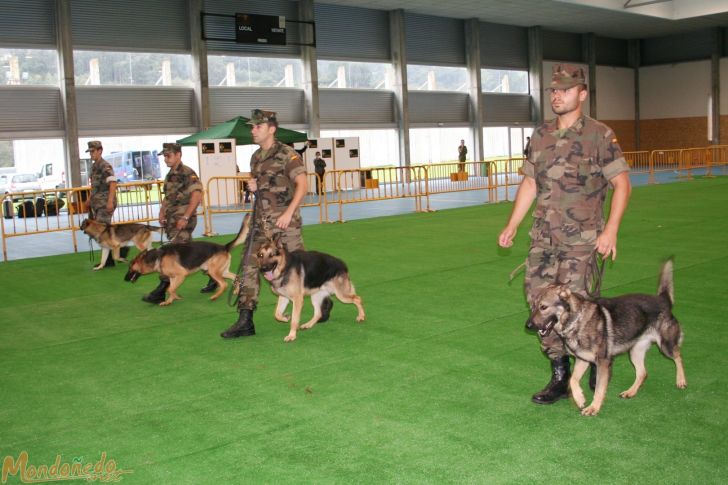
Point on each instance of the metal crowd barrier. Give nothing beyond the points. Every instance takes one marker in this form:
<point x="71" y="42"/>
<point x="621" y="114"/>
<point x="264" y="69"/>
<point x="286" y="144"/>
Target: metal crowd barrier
<point x="64" y="209"/>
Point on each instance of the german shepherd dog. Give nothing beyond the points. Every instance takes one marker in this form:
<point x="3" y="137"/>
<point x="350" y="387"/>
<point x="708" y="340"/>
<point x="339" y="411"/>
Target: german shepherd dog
<point x="112" y="238"/>
<point x="175" y="261"/>
<point x="293" y="275"/>
<point x="597" y="330"/>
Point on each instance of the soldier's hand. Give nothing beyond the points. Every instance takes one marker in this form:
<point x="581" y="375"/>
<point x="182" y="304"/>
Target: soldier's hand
<point x="284" y="220"/>
<point x="505" y="239"/>
<point x="252" y="185"/>
<point x="607" y="245"/>
<point x="181" y="224"/>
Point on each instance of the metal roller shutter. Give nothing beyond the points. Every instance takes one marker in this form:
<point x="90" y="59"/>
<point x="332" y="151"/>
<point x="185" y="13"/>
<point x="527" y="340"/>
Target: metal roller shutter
<point x="561" y="46"/>
<point x="438" y="107"/>
<point x="503" y="46"/>
<point x="138" y="25"/>
<point x="506" y="108"/>
<point x="435" y="40"/>
<point x="30" y="108"/>
<point x="692" y="46"/>
<point x="348" y="106"/>
<point x="224" y="28"/>
<point x="227" y="103"/>
<point x="612" y="52"/>
<point x="30" y="23"/>
<point x="108" y="108"/>
<point x="352" y="33"/>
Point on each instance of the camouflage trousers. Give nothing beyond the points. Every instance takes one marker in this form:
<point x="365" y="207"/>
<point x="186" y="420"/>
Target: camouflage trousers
<point x="249" y="286"/>
<point x="175" y="235"/>
<point x="572" y="266"/>
<point x="100" y="214"/>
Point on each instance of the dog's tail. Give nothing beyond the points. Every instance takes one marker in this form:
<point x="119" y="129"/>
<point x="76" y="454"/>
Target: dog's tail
<point x="666" y="287"/>
<point x="242" y="234"/>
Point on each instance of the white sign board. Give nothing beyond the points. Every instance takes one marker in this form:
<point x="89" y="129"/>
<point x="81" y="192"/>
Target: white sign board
<point x="217" y="159"/>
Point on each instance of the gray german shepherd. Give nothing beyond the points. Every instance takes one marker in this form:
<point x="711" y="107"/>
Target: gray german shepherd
<point x="597" y="330"/>
<point x="294" y="275"/>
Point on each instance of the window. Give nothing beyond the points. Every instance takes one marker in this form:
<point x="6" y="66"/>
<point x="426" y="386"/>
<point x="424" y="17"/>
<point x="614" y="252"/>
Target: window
<point x="503" y="81"/>
<point x="7" y="158"/>
<point x="500" y="141"/>
<point x="94" y="68"/>
<point x="34" y="156"/>
<point x="136" y="158"/>
<point x="255" y="71"/>
<point x="437" y="78"/>
<point x="355" y="75"/>
<point x="28" y="67"/>
<point x="436" y="145"/>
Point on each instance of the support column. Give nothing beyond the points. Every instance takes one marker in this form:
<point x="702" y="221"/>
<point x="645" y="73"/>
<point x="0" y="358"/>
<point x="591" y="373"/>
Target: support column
<point x="310" y="69"/>
<point x="535" y="73"/>
<point x="200" y="81"/>
<point x="472" y="54"/>
<point x="64" y="47"/>
<point x="589" y="56"/>
<point x="715" y="84"/>
<point x="398" y="47"/>
<point x="634" y="63"/>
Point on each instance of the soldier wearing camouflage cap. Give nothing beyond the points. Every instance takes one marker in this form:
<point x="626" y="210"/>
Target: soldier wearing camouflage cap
<point x="572" y="161"/>
<point x="102" y="201"/>
<point x="178" y="211"/>
<point x="278" y="178"/>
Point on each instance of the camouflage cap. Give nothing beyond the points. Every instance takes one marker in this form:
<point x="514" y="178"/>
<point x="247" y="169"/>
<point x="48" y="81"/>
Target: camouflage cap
<point x="93" y="145"/>
<point x="259" y="116"/>
<point x="565" y="76"/>
<point x="171" y="147"/>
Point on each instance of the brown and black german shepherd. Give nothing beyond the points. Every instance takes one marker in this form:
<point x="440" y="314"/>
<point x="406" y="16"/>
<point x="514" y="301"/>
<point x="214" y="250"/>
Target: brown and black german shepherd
<point x="293" y="275"/>
<point x="112" y="238"/>
<point x="598" y="330"/>
<point x="176" y="261"/>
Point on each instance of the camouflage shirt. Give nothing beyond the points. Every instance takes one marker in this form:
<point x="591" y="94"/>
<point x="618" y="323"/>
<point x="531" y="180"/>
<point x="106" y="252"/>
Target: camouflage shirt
<point x="179" y="184"/>
<point x="102" y="174"/>
<point x="274" y="172"/>
<point x="572" y="169"/>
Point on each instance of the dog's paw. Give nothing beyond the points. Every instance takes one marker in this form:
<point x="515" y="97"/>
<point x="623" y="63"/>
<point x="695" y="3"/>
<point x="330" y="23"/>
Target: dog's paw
<point x="165" y="303"/>
<point x="290" y="337"/>
<point x="590" y="411"/>
<point x="96" y="268"/>
<point x="627" y="394"/>
<point x="361" y="318"/>
<point x="681" y="384"/>
<point x="306" y="326"/>
<point x="283" y="318"/>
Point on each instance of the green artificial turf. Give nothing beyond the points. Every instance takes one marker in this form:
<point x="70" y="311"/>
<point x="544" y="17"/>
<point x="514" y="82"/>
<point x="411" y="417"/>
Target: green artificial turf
<point x="434" y="387"/>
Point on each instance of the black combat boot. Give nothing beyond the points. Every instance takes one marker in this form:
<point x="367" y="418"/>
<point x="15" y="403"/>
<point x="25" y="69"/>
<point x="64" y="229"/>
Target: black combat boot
<point x="158" y="294"/>
<point x="124" y="251"/>
<point x="244" y="327"/>
<point x="109" y="262"/>
<point x="209" y="287"/>
<point x="326" y="305"/>
<point x="558" y="387"/>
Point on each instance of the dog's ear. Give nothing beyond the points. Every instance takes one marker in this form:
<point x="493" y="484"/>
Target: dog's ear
<point x="277" y="240"/>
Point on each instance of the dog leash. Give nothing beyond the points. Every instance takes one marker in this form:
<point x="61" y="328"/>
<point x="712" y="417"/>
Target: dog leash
<point x="594" y="288"/>
<point x="238" y="283"/>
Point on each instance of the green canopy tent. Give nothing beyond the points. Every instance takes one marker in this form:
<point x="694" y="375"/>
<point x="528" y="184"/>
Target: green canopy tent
<point x="239" y="129"/>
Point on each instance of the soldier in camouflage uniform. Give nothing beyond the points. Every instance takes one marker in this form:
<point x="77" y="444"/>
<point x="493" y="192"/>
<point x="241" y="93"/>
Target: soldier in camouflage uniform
<point x="278" y="178"/>
<point x="178" y="212"/>
<point x="572" y="161"/>
<point x="102" y="201"/>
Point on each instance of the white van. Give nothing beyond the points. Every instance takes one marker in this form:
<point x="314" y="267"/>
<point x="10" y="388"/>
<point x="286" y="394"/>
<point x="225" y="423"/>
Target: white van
<point x="52" y="176"/>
